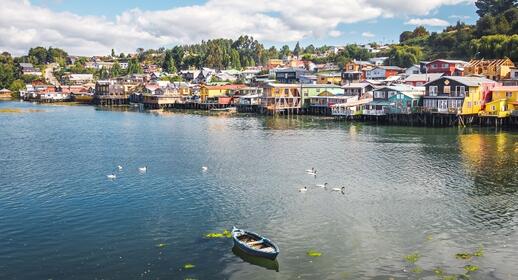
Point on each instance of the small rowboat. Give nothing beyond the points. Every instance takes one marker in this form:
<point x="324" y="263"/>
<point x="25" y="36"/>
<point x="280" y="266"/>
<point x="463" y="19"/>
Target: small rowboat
<point x="254" y="244"/>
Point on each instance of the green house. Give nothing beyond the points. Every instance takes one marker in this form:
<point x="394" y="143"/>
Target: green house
<point x="312" y="90"/>
<point x="405" y="102"/>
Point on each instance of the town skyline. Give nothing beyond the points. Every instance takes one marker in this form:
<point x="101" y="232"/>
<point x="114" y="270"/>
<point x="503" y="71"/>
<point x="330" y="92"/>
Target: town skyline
<point x="91" y="29"/>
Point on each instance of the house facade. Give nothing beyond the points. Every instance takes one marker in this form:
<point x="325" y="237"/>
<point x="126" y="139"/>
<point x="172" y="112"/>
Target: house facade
<point x="211" y="94"/>
<point x="394" y="99"/>
<point x="281" y="97"/>
<point x="329" y="78"/>
<point x="446" y="67"/>
<point x="503" y="102"/>
<point x="289" y="75"/>
<point x="309" y="91"/>
<point x="383" y="72"/>
<point x="447" y="94"/>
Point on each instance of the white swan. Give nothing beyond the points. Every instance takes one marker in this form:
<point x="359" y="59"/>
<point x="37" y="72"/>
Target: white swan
<point x="111" y="176"/>
<point x="204" y="168"/>
<point x="303" y="190"/>
<point x="142" y="169"/>
<point x="119" y="167"/>
<point x="324" y="186"/>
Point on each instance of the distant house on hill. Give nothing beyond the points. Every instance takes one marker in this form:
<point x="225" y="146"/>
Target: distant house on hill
<point x="494" y="69"/>
<point x="446" y="67"/>
<point x="29" y="69"/>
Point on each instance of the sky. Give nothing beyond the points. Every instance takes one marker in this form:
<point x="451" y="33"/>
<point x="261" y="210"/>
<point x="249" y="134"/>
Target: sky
<point x="94" y="27"/>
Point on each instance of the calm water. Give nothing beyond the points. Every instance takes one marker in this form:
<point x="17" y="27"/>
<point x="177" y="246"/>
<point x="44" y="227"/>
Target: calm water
<point x="436" y="192"/>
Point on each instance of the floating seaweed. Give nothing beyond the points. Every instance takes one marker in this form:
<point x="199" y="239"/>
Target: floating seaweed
<point x="471" y="268"/>
<point x="413" y="258"/>
<point x="313" y="253"/>
<point x="189" y="266"/>
<point x="463" y="256"/>
<point x="224" y="234"/>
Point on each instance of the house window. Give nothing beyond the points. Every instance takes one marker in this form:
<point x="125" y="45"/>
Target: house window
<point x="433" y="90"/>
<point x="460" y="91"/>
<point x="287" y="91"/>
<point x="493" y="108"/>
<point x="447" y="89"/>
<point x="434" y="66"/>
<point x="445" y="65"/>
<point x="469" y="104"/>
<point x="508" y="94"/>
<point x="379" y="94"/>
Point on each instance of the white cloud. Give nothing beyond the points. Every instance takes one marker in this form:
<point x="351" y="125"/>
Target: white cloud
<point x="427" y="21"/>
<point x="368" y="35"/>
<point x="24" y="25"/>
<point x="335" y="33"/>
<point x="459" y="17"/>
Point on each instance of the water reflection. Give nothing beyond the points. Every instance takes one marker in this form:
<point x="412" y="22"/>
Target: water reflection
<point x="262" y="262"/>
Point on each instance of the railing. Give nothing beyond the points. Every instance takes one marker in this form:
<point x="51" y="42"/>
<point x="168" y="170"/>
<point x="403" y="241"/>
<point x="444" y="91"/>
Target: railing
<point x="374" y="112"/>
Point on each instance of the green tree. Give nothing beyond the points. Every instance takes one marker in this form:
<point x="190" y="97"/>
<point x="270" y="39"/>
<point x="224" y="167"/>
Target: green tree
<point x="17" y="85"/>
<point x="297" y="50"/>
<point x="494" y="7"/>
<point x="134" y="67"/>
<point x="235" y="59"/>
<point x="116" y="70"/>
<point x="404" y="56"/>
<point x="168" y="64"/>
<point x="285" y="51"/>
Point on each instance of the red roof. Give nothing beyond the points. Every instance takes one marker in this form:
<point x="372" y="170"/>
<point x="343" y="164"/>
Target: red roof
<point x="224" y="87"/>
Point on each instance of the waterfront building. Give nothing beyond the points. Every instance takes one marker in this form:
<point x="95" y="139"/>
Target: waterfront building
<point x="493" y="69"/>
<point x="5" y="94"/>
<point x="281" y="98"/>
<point x="321" y="92"/>
<point x="212" y="94"/>
<point x="447" y="94"/>
<point x="384" y="99"/>
<point x="503" y="102"/>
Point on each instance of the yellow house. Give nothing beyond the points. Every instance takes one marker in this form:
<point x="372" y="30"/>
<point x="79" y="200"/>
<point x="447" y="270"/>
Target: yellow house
<point x="476" y="93"/>
<point x="280" y="97"/>
<point x="494" y="69"/>
<point x="329" y="79"/>
<point x="211" y="93"/>
<point x="504" y="100"/>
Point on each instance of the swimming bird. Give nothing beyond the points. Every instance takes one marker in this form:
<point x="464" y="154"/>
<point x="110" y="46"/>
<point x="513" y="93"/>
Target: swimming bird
<point x="119" y="167"/>
<point x="142" y="169"/>
<point x="111" y="176"/>
<point x="303" y="190"/>
<point x="337" y="189"/>
<point x="314" y="173"/>
<point x="324" y="186"/>
<point x="204" y="168"/>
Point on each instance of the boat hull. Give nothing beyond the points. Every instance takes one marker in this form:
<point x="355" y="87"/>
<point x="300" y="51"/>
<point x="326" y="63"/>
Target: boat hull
<point x="253" y="252"/>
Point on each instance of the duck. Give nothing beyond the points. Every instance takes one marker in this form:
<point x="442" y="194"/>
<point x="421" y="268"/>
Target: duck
<point x="303" y="190"/>
<point x="324" y="186"/>
<point x="119" y="167"/>
<point x="111" y="176"/>
<point x="142" y="169"/>
<point x="204" y="168"/>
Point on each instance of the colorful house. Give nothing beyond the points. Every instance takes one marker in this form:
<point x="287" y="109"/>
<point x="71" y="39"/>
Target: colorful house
<point x="383" y="72"/>
<point x="309" y="91"/>
<point x="503" y="102"/>
<point x="394" y="99"/>
<point x="281" y="97"/>
<point x="494" y="69"/>
<point x="418" y="80"/>
<point x="446" y="67"/>
<point x="211" y="94"/>
<point x="456" y="95"/>
<point x="329" y="78"/>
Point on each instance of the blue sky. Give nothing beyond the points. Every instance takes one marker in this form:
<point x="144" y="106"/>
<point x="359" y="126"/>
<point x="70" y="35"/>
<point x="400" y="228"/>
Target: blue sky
<point x="87" y="27"/>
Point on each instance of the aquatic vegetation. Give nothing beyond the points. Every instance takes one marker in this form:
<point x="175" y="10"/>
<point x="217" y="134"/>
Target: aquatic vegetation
<point x="449" y="277"/>
<point x="471" y="268"/>
<point x="479" y="252"/>
<point x="417" y="270"/>
<point x="463" y="256"/>
<point x="313" y="253"/>
<point x="224" y="234"/>
<point x="429" y="237"/>
<point x="189" y="266"/>
<point x="413" y="258"/>
<point x="161" y="245"/>
<point x="438" y="272"/>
